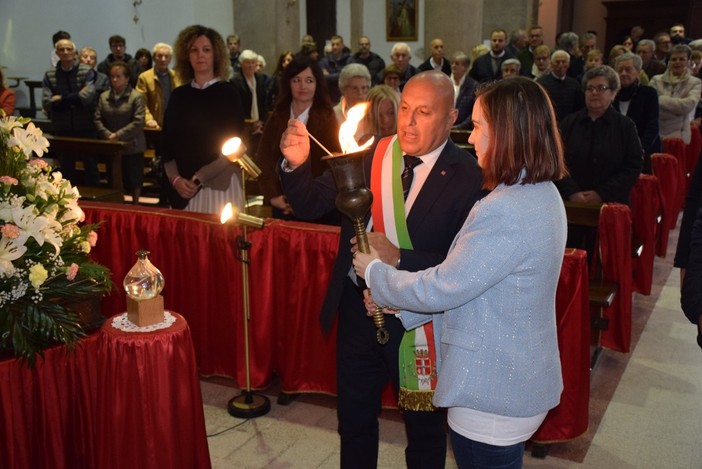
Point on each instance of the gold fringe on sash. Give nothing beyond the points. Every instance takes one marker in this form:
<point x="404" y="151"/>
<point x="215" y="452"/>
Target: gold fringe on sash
<point x="416" y="400"/>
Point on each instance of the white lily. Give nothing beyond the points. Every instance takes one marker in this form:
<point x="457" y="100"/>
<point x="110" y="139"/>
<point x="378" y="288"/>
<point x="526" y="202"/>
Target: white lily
<point x="29" y="223"/>
<point x="52" y="234"/>
<point x="11" y="249"/>
<point x="30" y="140"/>
<point x="11" y="122"/>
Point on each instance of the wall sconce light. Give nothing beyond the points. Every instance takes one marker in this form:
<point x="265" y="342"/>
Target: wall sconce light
<point x="135" y="4"/>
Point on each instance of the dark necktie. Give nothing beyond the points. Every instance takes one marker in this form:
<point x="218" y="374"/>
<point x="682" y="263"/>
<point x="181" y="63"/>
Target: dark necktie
<point x="408" y="173"/>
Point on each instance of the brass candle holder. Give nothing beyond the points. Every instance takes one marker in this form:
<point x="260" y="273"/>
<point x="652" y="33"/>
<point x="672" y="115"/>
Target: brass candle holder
<point x="354" y="199"/>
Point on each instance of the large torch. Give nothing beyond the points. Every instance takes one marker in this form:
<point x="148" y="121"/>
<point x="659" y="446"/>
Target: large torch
<point x="353" y="198"/>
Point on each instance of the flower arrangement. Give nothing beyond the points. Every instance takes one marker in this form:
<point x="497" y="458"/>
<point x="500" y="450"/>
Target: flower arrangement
<point x="44" y="253"/>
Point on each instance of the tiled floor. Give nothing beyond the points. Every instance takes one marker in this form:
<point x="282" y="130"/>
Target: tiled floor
<point x="646" y="407"/>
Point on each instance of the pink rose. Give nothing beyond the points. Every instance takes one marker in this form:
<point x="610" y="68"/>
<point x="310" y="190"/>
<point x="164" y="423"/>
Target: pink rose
<point x="41" y="164"/>
<point x="72" y="271"/>
<point x="92" y="239"/>
<point x="10" y="231"/>
<point x="9" y="180"/>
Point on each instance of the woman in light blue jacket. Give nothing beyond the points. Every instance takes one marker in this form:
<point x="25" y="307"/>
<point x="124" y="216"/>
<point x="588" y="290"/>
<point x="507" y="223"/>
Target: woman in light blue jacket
<point x="500" y="370"/>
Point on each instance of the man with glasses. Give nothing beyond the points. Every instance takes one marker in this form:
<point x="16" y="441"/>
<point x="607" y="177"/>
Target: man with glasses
<point x="663" y="46"/>
<point x="639" y="103"/>
<point x="118" y="49"/>
<point x="526" y="55"/>
<point x="651" y="67"/>
<point x="156" y="85"/>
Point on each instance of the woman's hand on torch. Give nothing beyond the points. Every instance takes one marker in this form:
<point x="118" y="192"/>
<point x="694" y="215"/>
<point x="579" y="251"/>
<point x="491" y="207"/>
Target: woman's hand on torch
<point x="371" y="307"/>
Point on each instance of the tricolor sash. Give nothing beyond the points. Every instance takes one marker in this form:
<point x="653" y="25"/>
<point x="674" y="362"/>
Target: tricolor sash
<point x="417" y="350"/>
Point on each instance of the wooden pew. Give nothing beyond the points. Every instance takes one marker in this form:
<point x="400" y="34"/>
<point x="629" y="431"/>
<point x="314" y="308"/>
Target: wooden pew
<point x="460" y="138"/>
<point x="109" y="152"/>
<point x="152" y="176"/>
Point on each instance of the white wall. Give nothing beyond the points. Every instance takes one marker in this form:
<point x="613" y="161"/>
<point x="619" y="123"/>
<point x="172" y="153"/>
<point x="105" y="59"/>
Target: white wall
<point x="27" y="28"/>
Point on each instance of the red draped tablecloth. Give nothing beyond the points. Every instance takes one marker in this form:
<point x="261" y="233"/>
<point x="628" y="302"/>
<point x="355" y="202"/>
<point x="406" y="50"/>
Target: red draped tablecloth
<point x="615" y="247"/>
<point x="676" y="147"/>
<point x="149" y="410"/>
<point x="570" y="418"/>
<point x="665" y="167"/>
<point x="290" y="264"/>
<point x="289" y="273"/>
<point x="692" y="152"/>
<point x="645" y="205"/>
<point x="47" y="414"/>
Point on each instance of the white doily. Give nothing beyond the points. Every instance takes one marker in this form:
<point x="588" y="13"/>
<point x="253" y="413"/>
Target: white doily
<point x="123" y="323"/>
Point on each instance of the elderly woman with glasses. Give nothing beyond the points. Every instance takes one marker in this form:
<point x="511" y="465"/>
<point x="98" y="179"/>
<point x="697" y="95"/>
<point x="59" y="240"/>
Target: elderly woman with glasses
<point x="542" y="62"/>
<point x="354" y="83"/>
<point x="602" y="147"/>
<point x="602" y="151"/>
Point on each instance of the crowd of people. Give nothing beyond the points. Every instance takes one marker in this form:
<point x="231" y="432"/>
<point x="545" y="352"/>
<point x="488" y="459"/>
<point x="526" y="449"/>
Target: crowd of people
<point x="565" y="121"/>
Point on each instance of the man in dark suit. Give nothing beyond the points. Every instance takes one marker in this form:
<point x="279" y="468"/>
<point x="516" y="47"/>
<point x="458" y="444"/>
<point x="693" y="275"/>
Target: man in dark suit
<point x="436" y="61"/>
<point x="488" y="66"/>
<point x="445" y="186"/>
<point x="638" y="103"/>
<point x="652" y="67"/>
<point x="565" y="92"/>
<point x="464" y="87"/>
<point x="526" y="55"/>
<point x="401" y="54"/>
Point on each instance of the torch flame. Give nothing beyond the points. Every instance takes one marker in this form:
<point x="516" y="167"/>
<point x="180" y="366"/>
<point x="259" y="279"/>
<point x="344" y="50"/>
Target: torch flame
<point x="347" y="131"/>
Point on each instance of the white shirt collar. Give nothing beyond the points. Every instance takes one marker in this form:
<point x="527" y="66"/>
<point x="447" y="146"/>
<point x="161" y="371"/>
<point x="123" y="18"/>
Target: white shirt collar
<point x="206" y="85"/>
<point x="304" y="115"/>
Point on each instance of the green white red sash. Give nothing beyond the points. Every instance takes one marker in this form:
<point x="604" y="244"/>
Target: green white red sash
<point x="417" y="349"/>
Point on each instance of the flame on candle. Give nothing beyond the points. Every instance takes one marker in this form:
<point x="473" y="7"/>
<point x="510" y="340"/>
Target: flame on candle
<point x="348" y="129"/>
<point x="227" y="213"/>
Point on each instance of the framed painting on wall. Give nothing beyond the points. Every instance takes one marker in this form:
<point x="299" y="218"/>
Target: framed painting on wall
<point x="401" y="20"/>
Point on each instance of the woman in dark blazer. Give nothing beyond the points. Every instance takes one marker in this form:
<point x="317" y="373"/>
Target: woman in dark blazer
<point x="303" y="95"/>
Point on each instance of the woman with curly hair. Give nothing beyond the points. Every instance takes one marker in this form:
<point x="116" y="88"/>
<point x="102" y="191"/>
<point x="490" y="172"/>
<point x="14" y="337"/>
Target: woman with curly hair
<point x="201" y="115"/>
